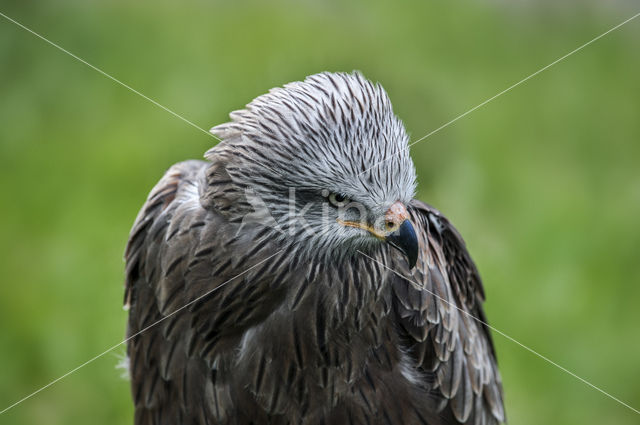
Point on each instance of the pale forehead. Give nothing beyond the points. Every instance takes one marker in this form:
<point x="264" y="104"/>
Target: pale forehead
<point x="334" y="127"/>
<point x="337" y="113"/>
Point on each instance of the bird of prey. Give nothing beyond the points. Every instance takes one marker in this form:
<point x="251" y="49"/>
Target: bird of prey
<point x="291" y="278"/>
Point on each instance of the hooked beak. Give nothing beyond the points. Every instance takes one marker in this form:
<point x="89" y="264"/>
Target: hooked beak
<point x="405" y="240"/>
<point x="398" y="231"/>
<point x="401" y="234"/>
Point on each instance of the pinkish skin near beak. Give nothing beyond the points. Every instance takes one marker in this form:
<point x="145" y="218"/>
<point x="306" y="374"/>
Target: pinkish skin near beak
<point x="395" y="216"/>
<point x="402" y="235"/>
<point x="398" y="231"/>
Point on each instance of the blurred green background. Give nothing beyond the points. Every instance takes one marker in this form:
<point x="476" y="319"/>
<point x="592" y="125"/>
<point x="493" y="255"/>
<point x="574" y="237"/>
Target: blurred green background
<point x="543" y="182"/>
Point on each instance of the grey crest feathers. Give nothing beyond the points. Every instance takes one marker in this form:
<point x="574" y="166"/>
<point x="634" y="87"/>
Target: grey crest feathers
<point x="274" y="335"/>
<point x="330" y="131"/>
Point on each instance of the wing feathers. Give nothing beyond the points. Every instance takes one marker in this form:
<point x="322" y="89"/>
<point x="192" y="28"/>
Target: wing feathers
<point x="437" y="311"/>
<point x="179" y="251"/>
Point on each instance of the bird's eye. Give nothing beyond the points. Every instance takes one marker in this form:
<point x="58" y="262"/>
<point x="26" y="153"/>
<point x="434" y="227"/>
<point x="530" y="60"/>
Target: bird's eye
<point x="338" y="199"/>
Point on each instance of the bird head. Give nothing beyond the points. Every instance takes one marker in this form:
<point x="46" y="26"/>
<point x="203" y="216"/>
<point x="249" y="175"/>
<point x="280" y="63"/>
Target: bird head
<point x="324" y="162"/>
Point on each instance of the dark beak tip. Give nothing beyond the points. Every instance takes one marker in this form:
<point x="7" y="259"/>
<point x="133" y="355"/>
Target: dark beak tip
<point x="405" y="240"/>
<point x="412" y="259"/>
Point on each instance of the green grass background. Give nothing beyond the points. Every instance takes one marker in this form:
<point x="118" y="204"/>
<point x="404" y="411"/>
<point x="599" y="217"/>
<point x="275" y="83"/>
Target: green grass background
<point x="543" y="182"/>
